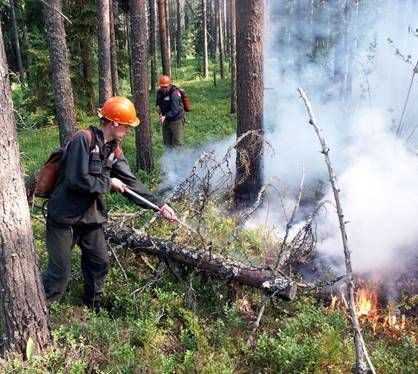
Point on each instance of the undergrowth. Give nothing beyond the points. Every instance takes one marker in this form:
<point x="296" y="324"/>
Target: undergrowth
<point x="150" y="324"/>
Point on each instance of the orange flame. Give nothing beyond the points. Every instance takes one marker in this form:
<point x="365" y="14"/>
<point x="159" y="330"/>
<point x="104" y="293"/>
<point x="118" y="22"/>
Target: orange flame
<point x="366" y="303"/>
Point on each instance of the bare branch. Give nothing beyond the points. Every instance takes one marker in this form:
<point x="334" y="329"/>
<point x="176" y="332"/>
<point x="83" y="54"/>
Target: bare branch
<point x="56" y="10"/>
<point x="361" y="351"/>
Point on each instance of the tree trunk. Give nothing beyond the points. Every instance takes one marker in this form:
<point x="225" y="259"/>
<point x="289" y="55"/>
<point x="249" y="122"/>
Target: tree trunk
<point x="17" y="44"/>
<point x="26" y="45"/>
<point x="153" y="42"/>
<point x="169" y="28"/>
<point x="63" y="92"/>
<point x="105" y="75"/>
<point x="213" y="29"/>
<point x="113" y="50"/>
<point x="220" y="21"/>
<point x="250" y="22"/>
<point x="205" y="39"/>
<point x="129" y="42"/>
<point x="178" y="34"/>
<point x="233" y="39"/>
<point x="23" y="310"/>
<point x="88" y="75"/>
<point x="164" y="37"/>
<point x="215" y="264"/>
<point x="141" y="97"/>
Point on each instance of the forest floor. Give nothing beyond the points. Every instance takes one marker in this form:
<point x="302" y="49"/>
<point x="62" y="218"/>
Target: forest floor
<point x="156" y="328"/>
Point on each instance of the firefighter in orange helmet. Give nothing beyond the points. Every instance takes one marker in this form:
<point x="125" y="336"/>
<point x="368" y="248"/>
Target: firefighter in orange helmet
<point x="92" y="165"/>
<point x="171" y="111"/>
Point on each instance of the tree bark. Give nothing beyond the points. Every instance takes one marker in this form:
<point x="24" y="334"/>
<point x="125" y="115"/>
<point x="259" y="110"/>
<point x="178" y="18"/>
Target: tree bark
<point x="140" y="79"/>
<point x="17" y="44"/>
<point x="205" y="38"/>
<point x="88" y="75"/>
<point x="215" y="264"/>
<point x="105" y="75"/>
<point x="26" y="46"/>
<point x="153" y="42"/>
<point x="213" y="29"/>
<point x="63" y="92"/>
<point x="250" y="22"/>
<point x="220" y="21"/>
<point x="23" y="310"/>
<point x="164" y="37"/>
<point x="113" y="50"/>
<point x="178" y="34"/>
<point x="233" y="41"/>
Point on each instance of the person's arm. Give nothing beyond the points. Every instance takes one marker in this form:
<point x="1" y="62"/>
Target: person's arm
<point x="77" y="172"/>
<point x="176" y="106"/>
<point x="122" y="171"/>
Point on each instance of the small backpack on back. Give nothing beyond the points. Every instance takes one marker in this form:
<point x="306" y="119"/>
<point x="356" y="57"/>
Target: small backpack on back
<point x="46" y="177"/>
<point x="185" y="99"/>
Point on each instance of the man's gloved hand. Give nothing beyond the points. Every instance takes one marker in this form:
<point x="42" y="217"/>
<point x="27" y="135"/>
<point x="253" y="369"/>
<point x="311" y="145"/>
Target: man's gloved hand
<point x="168" y="213"/>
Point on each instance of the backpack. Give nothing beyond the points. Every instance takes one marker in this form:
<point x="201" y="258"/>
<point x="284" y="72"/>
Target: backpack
<point x="46" y="178"/>
<point x="185" y="99"/>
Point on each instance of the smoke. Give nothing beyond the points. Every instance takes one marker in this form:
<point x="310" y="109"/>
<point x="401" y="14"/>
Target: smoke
<point x="357" y="80"/>
<point x="376" y="171"/>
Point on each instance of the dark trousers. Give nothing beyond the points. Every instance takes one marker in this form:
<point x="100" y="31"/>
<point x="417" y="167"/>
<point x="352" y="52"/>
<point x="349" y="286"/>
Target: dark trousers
<point x="60" y="239"/>
<point x="173" y="133"/>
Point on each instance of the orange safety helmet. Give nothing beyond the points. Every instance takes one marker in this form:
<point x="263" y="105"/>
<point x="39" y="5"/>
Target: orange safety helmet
<point x="121" y="110"/>
<point x="165" y="81"/>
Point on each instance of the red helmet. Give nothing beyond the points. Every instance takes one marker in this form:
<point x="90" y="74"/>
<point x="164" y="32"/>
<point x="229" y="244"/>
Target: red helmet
<point x="165" y="81"/>
<point x="121" y="110"/>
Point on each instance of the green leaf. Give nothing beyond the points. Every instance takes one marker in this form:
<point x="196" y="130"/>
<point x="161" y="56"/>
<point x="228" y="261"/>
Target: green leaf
<point x="29" y="348"/>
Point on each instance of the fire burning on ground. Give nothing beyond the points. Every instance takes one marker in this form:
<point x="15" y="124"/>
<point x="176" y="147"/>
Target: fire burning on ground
<point x="382" y="319"/>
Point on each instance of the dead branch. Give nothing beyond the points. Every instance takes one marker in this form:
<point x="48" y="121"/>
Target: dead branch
<point x="213" y="263"/>
<point x="280" y="260"/>
<point x="361" y="351"/>
<point x="284" y="255"/>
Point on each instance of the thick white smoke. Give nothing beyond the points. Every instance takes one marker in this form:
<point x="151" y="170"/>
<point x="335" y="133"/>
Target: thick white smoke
<point x="377" y="171"/>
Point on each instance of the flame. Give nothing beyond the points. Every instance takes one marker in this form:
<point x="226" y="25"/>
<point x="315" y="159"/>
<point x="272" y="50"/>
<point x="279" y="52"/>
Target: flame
<point x="366" y="303"/>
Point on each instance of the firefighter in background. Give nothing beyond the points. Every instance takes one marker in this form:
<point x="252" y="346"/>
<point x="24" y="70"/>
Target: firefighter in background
<point x="171" y="111"/>
<point x="92" y="165"/>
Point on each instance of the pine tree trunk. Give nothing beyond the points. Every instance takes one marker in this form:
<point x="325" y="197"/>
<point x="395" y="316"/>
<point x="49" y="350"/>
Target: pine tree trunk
<point x="205" y="39"/>
<point x="169" y="28"/>
<point x="63" y="92"/>
<point x="218" y="4"/>
<point x="214" y="29"/>
<point x="17" y="44"/>
<point x="23" y="310"/>
<point x="339" y="36"/>
<point x="26" y="45"/>
<point x="233" y="39"/>
<point x="105" y="75"/>
<point x="113" y="50"/>
<point x="129" y="42"/>
<point x="164" y="37"/>
<point x="250" y="22"/>
<point x="140" y="78"/>
<point x="88" y="75"/>
<point x="153" y="42"/>
<point x="178" y="34"/>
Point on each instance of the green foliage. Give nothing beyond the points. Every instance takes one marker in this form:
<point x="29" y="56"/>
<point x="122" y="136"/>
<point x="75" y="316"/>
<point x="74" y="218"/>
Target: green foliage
<point x="148" y="324"/>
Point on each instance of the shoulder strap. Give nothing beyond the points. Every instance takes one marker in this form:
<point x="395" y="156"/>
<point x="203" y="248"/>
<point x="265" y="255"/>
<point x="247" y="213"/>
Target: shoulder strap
<point x="118" y="152"/>
<point x="89" y="134"/>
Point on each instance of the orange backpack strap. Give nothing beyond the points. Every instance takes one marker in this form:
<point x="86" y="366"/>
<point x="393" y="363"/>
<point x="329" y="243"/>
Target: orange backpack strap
<point x="118" y="152"/>
<point x="89" y="134"/>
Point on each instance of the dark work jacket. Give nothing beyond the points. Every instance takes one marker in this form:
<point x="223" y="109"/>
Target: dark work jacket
<point x="170" y="104"/>
<point x="85" y="175"/>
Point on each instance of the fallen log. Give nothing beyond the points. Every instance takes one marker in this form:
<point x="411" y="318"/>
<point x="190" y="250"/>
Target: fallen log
<point x="215" y="264"/>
